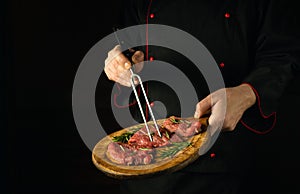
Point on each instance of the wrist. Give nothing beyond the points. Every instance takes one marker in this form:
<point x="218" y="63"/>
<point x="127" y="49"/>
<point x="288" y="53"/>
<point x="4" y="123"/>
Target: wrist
<point x="248" y="94"/>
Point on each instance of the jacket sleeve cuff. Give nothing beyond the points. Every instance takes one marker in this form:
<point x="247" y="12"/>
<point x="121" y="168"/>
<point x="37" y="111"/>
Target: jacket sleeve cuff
<point x="255" y="120"/>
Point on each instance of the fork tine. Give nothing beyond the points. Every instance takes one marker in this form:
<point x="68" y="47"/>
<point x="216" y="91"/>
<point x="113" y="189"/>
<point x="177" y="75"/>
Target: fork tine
<point x="133" y="75"/>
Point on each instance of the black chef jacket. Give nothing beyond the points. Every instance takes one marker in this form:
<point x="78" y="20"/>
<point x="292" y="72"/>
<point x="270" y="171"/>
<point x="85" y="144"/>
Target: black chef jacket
<point x="253" y="41"/>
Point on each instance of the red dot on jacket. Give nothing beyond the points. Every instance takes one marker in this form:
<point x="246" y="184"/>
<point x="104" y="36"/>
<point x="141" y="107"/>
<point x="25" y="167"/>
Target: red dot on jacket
<point x="151" y="15"/>
<point x="212" y="155"/>
<point x="151" y="58"/>
<point x="222" y="65"/>
<point x="227" y="15"/>
<point x="152" y="104"/>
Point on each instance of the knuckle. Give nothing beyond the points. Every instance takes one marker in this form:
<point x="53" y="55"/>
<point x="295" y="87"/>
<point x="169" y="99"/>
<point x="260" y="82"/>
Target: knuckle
<point x="117" y="48"/>
<point x="201" y="104"/>
<point x="110" y="53"/>
<point x="115" y="51"/>
<point x="198" y="105"/>
<point x="106" y="62"/>
<point x="112" y="77"/>
<point x="122" y="59"/>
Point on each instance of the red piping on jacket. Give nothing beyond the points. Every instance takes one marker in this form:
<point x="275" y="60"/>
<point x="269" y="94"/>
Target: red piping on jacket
<point x="147" y="25"/>
<point x="117" y="94"/>
<point x="147" y="48"/>
<point x="261" y="113"/>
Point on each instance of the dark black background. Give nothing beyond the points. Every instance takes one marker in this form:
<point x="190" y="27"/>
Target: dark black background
<point x="42" y="45"/>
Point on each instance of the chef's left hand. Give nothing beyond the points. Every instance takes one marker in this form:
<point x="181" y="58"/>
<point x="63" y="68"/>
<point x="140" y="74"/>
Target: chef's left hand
<point x="236" y="100"/>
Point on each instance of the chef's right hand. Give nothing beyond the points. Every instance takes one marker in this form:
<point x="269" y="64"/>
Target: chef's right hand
<point x="117" y="65"/>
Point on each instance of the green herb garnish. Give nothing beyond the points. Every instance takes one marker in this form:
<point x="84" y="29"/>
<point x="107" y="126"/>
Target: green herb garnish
<point x="124" y="138"/>
<point x="167" y="135"/>
<point x="144" y="149"/>
<point x="173" y="120"/>
<point x="173" y="149"/>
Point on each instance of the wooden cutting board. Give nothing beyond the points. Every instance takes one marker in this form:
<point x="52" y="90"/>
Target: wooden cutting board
<point x="167" y="165"/>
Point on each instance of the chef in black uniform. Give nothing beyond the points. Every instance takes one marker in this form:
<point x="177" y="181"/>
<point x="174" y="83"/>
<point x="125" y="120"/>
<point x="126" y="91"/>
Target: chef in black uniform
<point x="256" y="45"/>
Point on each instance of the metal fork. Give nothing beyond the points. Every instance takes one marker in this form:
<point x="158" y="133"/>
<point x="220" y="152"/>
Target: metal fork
<point x="133" y="75"/>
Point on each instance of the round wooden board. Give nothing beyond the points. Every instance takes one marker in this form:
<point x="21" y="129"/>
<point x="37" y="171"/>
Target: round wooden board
<point x="179" y="161"/>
